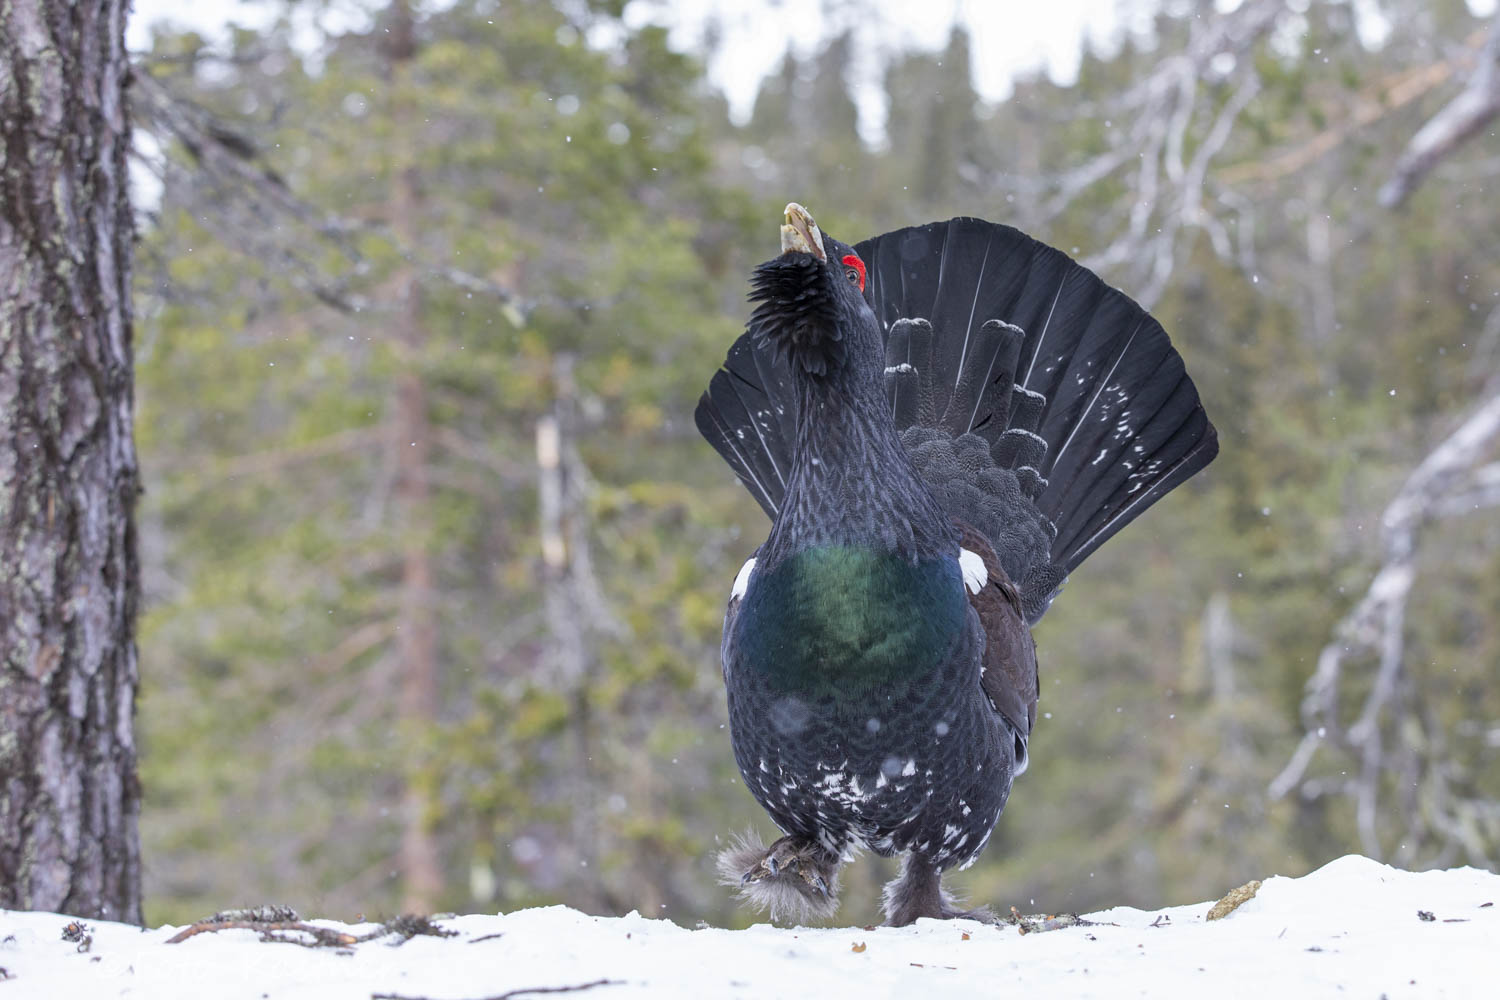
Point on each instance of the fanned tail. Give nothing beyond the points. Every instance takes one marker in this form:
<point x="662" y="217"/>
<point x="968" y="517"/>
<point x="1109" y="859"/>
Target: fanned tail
<point x="749" y="415"/>
<point x="1072" y="384"/>
<point x="1043" y="406"/>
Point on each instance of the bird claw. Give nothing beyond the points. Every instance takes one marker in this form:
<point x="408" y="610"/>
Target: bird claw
<point x="801" y="864"/>
<point x="795" y="878"/>
<point x="766" y="867"/>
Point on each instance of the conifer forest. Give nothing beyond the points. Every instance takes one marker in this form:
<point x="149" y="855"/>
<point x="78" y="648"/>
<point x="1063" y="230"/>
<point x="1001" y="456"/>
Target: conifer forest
<point x="432" y="561"/>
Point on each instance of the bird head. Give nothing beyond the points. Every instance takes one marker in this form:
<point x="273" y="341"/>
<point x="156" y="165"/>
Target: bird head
<point x="811" y="303"/>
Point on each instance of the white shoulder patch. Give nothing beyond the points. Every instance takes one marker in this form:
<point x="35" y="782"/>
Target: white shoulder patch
<point x="742" y="581"/>
<point x="975" y="575"/>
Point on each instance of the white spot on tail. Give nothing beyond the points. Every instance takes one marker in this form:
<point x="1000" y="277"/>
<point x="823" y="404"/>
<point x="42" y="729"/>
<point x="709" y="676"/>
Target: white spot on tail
<point x="975" y="575"/>
<point x="742" y="581"/>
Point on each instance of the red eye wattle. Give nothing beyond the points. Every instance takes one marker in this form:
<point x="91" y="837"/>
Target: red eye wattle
<point x="856" y="265"/>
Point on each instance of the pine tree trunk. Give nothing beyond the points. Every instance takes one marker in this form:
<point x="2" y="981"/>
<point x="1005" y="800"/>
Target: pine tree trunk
<point x="417" y="645"/>
<point x="574" y="609"/>
<point x="69" y="579"/>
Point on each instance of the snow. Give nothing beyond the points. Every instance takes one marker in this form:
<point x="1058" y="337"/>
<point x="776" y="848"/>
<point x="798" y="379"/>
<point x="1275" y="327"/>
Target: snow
<point x="1351" y="927"/>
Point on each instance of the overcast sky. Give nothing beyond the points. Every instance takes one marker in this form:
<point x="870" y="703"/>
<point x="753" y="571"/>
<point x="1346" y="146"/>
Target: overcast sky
<point x="1009" y="37"/>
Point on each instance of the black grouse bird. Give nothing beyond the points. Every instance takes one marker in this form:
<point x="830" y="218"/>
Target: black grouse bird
<point x="942" y="423"/>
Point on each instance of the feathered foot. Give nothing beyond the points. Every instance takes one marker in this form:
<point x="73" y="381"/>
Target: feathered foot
<point x="918" y="892"/>
<point x="795" y="878"/>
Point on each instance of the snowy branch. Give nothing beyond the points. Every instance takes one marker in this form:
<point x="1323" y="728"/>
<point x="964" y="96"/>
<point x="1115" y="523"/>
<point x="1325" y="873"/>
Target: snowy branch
<point x="1179" y="119"/>
<point x="1460" y="119"/>
<point x="1449" y="481"/>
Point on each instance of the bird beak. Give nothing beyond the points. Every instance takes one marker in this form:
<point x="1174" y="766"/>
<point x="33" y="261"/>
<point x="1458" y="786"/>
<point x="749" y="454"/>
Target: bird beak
<point x="800" y="234"/>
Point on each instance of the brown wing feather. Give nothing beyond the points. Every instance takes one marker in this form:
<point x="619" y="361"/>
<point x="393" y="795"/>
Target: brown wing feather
<point x="1010" y="673"/>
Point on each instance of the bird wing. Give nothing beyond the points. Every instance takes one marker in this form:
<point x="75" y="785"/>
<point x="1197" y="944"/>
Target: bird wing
<point x="732" y="610"/>
<point x="1009" y="672"/>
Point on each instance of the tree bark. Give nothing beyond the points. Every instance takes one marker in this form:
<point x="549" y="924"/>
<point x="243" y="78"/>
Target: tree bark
<point x="69" y="578"/>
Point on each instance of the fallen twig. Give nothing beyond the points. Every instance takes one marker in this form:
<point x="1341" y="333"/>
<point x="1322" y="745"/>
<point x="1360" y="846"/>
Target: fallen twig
<point x="1038" y="922"/>
<point x="270" y="919"/>
<point x="324" y="937"/>
<point x="270" y="914"/>
<point x="409" y="925"/>
<point x="512" y="993"/>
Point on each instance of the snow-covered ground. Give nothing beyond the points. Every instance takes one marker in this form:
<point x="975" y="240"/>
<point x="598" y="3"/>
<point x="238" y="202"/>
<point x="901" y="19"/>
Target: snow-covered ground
<point x="1353" y="928"/>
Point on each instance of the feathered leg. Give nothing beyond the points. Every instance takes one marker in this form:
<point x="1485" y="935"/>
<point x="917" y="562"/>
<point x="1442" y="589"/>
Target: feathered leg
<point x="918" y="892"/>
<point x="795" y="877"/>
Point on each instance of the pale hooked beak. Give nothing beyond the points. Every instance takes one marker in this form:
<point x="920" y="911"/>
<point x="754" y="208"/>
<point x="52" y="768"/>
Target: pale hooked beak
<point x="800" y="234"/>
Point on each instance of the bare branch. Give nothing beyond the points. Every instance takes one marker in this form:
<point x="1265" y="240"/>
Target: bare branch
<point x="1369" y="106"/>
<point x="512" y="994"/>
<point x="1448" y="481"/>
<point x="324" y="936"/>
<point x="1459" y="120"/>
<point x="1484" y="492"/>
<point x="284" y="925"/>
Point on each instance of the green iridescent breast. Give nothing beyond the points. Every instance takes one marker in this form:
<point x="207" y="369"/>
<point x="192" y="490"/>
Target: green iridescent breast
<point x="845" y="619"/>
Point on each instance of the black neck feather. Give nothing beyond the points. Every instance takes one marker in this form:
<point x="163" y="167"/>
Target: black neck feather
<point x="852" y="482"/>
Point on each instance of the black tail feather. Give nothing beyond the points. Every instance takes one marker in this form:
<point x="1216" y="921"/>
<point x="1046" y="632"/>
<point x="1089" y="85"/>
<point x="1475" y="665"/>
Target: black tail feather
<point x="1190" y="447"/>
<point x="1026" y="407"/>
<point x="980" y="402"/>
<point x="1097" y="379"/>
<point x="1070" y="384"/>
<point x="1018" y="448"/>
<point x="749" y="415"/>
<point x="903" y="387"/>
<point x="758" y="370"/>
<point x="909" y="346"/>
<point x="1113" y="443"/>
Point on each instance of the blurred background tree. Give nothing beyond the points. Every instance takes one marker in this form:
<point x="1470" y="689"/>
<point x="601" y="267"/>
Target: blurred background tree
<point x="434" y="560"/>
